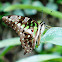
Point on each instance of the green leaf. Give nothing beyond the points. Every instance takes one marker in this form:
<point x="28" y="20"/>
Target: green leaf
<point x="5" y="5"/>
<point x="52" y="5"/>
<point x="53" y="35"/>
<point x="32" y="11"/>
<point x="39" y="48"/>
<point x="41" y="9"/>
<point x="0" y="6"/>
<point x="38" y="58"/>
<point x="18" y="12"/>
<point x="58" y="49"/>
<point x="1" y="16"/>
<point x="5" y="50"/>
<point x="26" y="1"/>
<point x="37" y="3"/>
<point x="10" y="42"/>
<point x="55" y="60"/>
<point x="59" y="1"/>
<point x="1" y="60"/>
<point x="28" y="11"/>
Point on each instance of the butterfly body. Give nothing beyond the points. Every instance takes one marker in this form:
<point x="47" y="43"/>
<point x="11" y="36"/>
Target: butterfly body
<point x="25" y="28"/>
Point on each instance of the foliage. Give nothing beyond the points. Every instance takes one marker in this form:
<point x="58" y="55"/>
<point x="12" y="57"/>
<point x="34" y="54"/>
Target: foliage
<point x="44" y="9"/>
<point x="39" y="58"/>
<point x="52" y="36"/>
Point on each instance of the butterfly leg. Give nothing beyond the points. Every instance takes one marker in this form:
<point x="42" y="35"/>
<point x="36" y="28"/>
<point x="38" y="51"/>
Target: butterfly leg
<point x="38" y="41"/>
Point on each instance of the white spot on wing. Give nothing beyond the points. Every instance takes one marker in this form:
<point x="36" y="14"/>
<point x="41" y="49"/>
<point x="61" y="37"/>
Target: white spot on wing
<point x="15" y="27"/>
<point x="15" y="22"/>
<point x="26" y="19"/>
<point x="18" y="24"/>
<point x="25" y="29"/>
<point x="12" y="24"/>
<point x="23" y="39"/>
<point x="20" y="32"/>
<point x="28" y="45"/>
<point x="22" y="21"/>
<point x="28" y="42"/>
<point x="23" y="43"/>
<point x="6" y="17"/>
<point x="25" y="47"/>
<point x="19" y="17"/>
<point x="27" y="50"/>
<point x="10" y="19"/>
<point x="29" y="30"/>
<point x="28" y="36"/>
<point x="21" y="27"/>
<point x="6" y="20"/>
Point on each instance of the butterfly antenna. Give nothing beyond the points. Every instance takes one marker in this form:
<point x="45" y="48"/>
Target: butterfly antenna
<point x="46" y="26"/>
<point x="42" y="18"/>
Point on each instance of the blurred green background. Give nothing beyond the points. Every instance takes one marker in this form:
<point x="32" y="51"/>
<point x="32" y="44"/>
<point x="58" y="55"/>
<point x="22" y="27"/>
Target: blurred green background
<point x="50" y="11"/>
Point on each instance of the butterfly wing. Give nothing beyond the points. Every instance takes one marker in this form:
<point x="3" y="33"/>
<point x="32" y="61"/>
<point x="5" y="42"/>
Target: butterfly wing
<point x="24" y="26"/>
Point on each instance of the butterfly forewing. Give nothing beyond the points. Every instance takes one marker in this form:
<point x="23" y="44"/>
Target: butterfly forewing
<point x="24" y="26"/>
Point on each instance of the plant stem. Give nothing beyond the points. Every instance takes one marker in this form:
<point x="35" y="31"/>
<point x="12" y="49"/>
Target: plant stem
<point x="41" y="9"/>
<point x="6" y="50"/>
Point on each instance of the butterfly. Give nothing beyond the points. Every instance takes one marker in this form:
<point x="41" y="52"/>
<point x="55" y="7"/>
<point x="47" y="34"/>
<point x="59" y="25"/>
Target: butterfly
<point x="29" y="30"/>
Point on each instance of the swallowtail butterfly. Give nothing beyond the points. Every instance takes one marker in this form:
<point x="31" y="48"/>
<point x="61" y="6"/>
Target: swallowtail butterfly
<point x="29" y="30"/>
